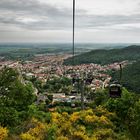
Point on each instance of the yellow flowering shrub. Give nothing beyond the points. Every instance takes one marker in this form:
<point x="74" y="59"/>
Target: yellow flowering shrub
<point x="83" y="125"/>
<point x="27" y="136"/>
<point x="65" y="129"/>
<point x="35" y="133"/>
<point x="62" y="138"/>
<point x="81" y="128"/>
<point x="102" y="111"/>
<point x="89" y="111"/>
<point x="3" y="133"/>
<point x="79" y="136"/>
<point x="89" y="119"/>
<point x="104" y="134"/>
<point x="105" y="120"/>
<point x="56" y="117"/>
<point x="65" y="114"/>
<point x="74" y="117"/>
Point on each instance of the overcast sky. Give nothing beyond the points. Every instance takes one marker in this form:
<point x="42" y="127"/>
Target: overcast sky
<point x="97" y="21"/>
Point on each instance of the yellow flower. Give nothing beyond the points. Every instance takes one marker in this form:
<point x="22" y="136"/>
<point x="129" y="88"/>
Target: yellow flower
<point x="74" y="117"/>
<point x="89" y="111"/>
<point x="27" y="136"/>
<point x="56" y="117"/>
<point x="81" y="128"/>
<point x="91" y="119"/>
<point x="3" y="133"/>
<point x="36" y="133"/>
<point x="62" y="138"/>
<point x="104" y="120"/>
<point x="79" y="136"/>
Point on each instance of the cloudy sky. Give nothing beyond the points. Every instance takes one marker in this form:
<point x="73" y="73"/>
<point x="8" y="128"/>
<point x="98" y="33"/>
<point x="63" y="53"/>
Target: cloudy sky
<point x="97" y="21"/>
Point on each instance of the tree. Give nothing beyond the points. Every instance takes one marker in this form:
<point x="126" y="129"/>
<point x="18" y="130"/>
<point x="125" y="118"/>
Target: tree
<point x="131" y="77"/>
<point x="58" y="85"/>
<point x="35" y="133"/>
<point x="100" y="97"/>
<point x="15" y="96"/>
<point x="121" y="105"/>
<point x="38" y="84"/>
<point x="133" y="120"/>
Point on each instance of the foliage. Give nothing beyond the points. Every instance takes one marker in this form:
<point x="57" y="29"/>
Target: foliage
<point x="9" y="116"/>
<point x="94" y="124"/>
<point x="121" y="105"/>
<point x="133" y="120"/>
<point x="35" y="133"/>
<point x="15" y="96"/>
<point x="81" y="125"/>
<point x="106" y="56"/>
<point x="107" y="119"/>
<point x="38" y="84"/>
<point x="3" y="133"/>
<point x="104" y="134"/>
<point x="34" y="111"/>
<point x="100" y="97"/>
<point x="56" y="85"/>
<point x="131" y="77"/>
<point x="78" y="125"/>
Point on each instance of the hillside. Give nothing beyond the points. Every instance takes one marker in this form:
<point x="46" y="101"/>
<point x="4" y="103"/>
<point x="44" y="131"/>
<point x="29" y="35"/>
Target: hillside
<point x="107" y="56"/>
<point x="131" y="77"/>
<point x="103" y="118"/>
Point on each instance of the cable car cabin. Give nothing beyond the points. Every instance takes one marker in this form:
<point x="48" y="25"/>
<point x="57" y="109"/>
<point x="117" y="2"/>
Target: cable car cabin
<point x="89" y="81"/>
<point x="115" y="90"/>
<point x="75" y="80"/>
<point x="73" y="92"/>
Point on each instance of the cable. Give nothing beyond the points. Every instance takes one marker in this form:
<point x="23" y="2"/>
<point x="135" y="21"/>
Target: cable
<point x="73" y="40"/>
<point x="120" y="80"/>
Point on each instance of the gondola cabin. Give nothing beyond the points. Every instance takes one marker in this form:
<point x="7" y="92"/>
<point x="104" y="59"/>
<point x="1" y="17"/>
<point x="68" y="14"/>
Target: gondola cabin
<point x="74" y="81"/>
<point x="73" y="92"/>
<point x="115" y="90"/>
<point x="88" y="81"/>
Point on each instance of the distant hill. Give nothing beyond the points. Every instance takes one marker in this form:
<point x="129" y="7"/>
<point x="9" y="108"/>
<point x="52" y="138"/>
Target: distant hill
<point x="131" y="77"/>
<point x="27" y="51"/>
<point x="102" y="56"/>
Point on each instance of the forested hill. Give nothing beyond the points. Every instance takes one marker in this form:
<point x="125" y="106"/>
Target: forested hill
<point x="131" y="77"/>
<point x="107" y="56"/>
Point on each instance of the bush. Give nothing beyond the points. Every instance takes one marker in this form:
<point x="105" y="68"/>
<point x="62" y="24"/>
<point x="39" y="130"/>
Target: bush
<point x="3" y="133"/>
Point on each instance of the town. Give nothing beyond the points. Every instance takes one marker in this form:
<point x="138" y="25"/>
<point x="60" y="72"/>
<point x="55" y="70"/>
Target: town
<point x="46" y="67"/>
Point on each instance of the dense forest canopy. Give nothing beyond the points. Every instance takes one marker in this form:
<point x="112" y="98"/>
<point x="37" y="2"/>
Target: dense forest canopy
<point x="103" y="57"/>
<point x="130" y="77"/>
